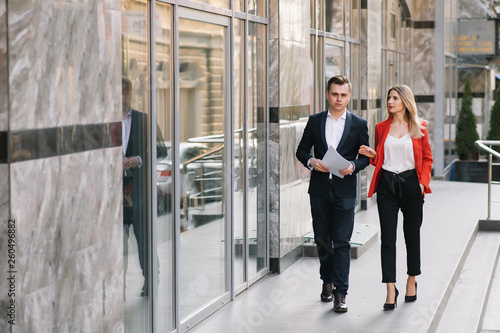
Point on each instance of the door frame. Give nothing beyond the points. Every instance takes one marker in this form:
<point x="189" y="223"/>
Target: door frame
<point x="205" y="311"/>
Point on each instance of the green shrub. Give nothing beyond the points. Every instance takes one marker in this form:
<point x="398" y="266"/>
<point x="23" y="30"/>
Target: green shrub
<point x="494" y="132"/>
<point x="466" y="131"/>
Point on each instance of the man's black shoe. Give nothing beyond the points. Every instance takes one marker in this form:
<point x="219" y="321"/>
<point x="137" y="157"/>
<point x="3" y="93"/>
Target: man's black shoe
<point x="326" y="293"/>
<point x="339" y="303"/>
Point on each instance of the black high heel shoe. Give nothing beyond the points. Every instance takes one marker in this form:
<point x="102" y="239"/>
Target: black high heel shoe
<point x="413" y="298"/>
<point x="392" y="306"/>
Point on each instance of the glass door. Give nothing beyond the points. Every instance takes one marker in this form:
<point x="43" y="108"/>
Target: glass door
<point x="249" y="154"/>
<point x="203" y="168"/>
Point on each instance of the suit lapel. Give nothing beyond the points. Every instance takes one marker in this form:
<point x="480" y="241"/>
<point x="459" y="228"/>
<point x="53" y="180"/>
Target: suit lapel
<point x="133" y="133"/>
<point x="347" y="128"/>
<point x="386" y="126"/>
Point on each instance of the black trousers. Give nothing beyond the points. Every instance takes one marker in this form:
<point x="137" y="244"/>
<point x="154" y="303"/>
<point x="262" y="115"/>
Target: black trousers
<point x="333" y="223"/>
<point x="399" y="192"/>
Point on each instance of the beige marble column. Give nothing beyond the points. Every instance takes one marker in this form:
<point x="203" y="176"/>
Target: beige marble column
<point x="61" y="180"/>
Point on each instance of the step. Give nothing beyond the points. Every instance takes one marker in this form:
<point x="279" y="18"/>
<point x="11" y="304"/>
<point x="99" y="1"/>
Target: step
<point x="491" y="321"/>
<point x="364" y="236"/>
<point x="464" y="309"/>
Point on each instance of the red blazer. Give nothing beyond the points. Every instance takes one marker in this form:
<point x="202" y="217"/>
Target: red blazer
<point x="421" y="151"/>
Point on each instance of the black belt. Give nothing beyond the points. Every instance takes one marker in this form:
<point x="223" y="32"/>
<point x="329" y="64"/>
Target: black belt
<point x="397" y="179"/>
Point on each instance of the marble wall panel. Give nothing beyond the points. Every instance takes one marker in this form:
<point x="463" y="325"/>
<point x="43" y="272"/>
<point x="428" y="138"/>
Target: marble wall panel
<point x="477" y="77"/>
<point x="4" y="217"/>
<point x="423" y="79"/>
<point x="374" y="47"/>
<point x="4" y="91"/>
<point x="295" y="214"/>
<point x="294" y="20"/>
<point x="363" y="54"/>
<point x="274" y="224"/>
<point x="274" y="19"/>
<point x="469" y="9"/>
<point x="274" y="74"/>
<point x="64" y="62"/>
<point x="296" y="71"/>
<point x="424" y="10"/>
<point x="290" y="168"/>
<point x="70" y="243"/>
<point x="274" y="189"/>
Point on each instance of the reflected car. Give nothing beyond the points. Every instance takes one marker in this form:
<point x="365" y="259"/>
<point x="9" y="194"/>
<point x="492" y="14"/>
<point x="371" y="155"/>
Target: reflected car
<point x="164" y="185"/>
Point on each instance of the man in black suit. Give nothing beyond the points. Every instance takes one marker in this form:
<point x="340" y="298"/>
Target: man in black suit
<point x="332" y="198"/>
<point x="135" y="166"/>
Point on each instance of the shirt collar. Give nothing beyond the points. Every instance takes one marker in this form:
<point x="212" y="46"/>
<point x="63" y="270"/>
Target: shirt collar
<point x="129" y="114"/>
<point x="343" y="116"/>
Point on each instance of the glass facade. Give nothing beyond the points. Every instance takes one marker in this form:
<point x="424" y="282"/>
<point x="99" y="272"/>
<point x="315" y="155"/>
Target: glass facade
<point x="201" y="133"/>
<point x="136" y="115"/>
<point x="394" y="46"/>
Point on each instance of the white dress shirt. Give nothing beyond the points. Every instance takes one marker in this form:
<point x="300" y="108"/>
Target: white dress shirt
<point x="126" y="129"/>
<point x="334" y="128"/>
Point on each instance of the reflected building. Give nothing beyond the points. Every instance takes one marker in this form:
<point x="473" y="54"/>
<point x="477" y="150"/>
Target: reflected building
<point x="229" y="85"/>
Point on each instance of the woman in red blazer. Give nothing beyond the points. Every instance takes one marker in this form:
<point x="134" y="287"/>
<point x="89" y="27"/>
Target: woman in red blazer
<point x="403" y="163"/>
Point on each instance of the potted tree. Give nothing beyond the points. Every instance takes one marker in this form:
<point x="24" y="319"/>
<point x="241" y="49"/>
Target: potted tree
<point x="466" y="131"/>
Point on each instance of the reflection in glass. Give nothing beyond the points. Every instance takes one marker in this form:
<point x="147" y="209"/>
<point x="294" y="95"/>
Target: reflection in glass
<point x="390" y="73"/>
<point x="202" y="95"/>
<point x="239" y="5"/>
<point x="319" y="74"/>
<point x="347" y="14"/>
<point x="355" y="98"/>
<point x="347" y="62"/>
<point x="312" y="11"/>
<point x="333" y="63"/>
<point x="219" y="3"/>
<point x="319" y="14"/>
<point x="134" y="138"/>
<point x="164" y="181"/>
<point x="314" y="89"/>
<point x="334" y="16"/>
<point x="239" y="153"/>
<point x="257" y="7"/>
<point x="257" y="153"/>
<point x="355" y="19"/>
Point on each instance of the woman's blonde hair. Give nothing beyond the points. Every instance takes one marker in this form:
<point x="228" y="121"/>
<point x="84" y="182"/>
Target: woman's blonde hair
<point x="411" y="113"/>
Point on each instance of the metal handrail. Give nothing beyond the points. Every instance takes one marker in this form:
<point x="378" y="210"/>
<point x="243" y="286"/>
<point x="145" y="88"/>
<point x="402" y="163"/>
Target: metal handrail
<point x="483" y="144"/>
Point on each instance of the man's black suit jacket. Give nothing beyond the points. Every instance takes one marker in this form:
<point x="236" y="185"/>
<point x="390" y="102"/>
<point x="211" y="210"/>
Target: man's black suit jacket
<point x="355" y="134"/>
<point x="137" y="146"/>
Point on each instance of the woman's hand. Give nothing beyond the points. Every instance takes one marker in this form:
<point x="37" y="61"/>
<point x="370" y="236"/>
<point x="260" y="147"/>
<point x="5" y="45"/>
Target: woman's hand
<point x="422" y="187"/>
<point x="367" y="151"/>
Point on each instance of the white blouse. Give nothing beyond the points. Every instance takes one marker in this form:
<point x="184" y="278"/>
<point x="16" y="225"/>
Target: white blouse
<point x="398" y="154"/>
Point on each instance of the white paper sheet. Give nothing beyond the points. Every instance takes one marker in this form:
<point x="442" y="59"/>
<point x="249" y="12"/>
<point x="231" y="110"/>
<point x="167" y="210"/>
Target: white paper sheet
<point x="335" y="162"/>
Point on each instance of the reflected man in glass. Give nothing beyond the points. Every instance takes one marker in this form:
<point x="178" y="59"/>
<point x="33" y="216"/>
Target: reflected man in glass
<point x="134" y="144"/>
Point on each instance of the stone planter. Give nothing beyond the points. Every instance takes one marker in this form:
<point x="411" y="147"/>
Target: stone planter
<point x="468" y="156"/>
<point x="473" y="171"/>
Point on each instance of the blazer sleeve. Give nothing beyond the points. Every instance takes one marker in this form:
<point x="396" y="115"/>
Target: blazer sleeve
<point x="362" y="161"/>
<point x="303" y="152"/>
<point x="378" y="134"/>
<point x="425" y="176"/>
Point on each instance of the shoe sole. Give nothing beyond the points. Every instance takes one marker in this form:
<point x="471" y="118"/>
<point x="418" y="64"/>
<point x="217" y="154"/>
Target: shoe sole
<point x="340" y="310"/>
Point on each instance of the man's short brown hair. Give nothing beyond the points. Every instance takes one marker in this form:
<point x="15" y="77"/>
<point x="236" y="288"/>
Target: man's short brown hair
<point x="126" y="85"/>
<point x="340" y="80"/>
